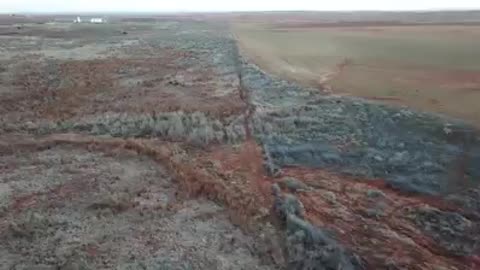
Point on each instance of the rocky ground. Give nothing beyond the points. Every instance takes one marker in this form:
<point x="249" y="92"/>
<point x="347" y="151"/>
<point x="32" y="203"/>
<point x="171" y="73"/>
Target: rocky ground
<point x="160" y="146"/>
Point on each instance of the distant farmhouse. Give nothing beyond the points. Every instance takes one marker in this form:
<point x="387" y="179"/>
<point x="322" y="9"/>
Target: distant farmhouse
<point x="92" y="20"/>
<point x="97" y="20"/>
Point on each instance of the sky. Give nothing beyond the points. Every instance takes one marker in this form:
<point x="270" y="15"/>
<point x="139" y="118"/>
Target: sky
<point x="10" y="6"/>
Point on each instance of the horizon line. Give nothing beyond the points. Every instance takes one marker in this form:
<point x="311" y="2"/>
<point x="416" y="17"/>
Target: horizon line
<point x="237" y="11"/>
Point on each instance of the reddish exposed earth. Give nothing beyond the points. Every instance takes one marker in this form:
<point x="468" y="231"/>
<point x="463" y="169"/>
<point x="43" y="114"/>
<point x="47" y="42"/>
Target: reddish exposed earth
<point x="208" y="204"/>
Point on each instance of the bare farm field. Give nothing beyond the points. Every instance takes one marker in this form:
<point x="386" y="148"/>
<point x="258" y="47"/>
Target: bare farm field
<point x="426" y="67"/>
<point x="160" y="143"/>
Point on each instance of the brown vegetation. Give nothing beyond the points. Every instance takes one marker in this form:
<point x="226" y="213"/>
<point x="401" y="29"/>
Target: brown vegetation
<point x="96" y="86"/>
<point x="150" y="104"/>
<point x="427" y="67"/>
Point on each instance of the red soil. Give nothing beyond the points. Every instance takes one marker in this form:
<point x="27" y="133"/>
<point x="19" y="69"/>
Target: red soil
<point x="93" y="86"/>
<point x="234" y="176"/>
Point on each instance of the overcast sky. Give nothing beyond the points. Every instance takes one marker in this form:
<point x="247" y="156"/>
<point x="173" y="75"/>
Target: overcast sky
<point x="8" y="6"/>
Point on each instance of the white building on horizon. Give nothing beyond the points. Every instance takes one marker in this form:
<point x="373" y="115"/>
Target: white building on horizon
<point x="97" y="20"/>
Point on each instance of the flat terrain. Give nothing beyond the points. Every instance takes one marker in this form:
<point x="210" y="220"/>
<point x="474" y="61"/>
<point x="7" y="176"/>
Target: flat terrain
<point x="69" y="203"/>
<point x="426" y="67"/>
<point x="94" y="210"/>
<point x="155" y="142"/>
